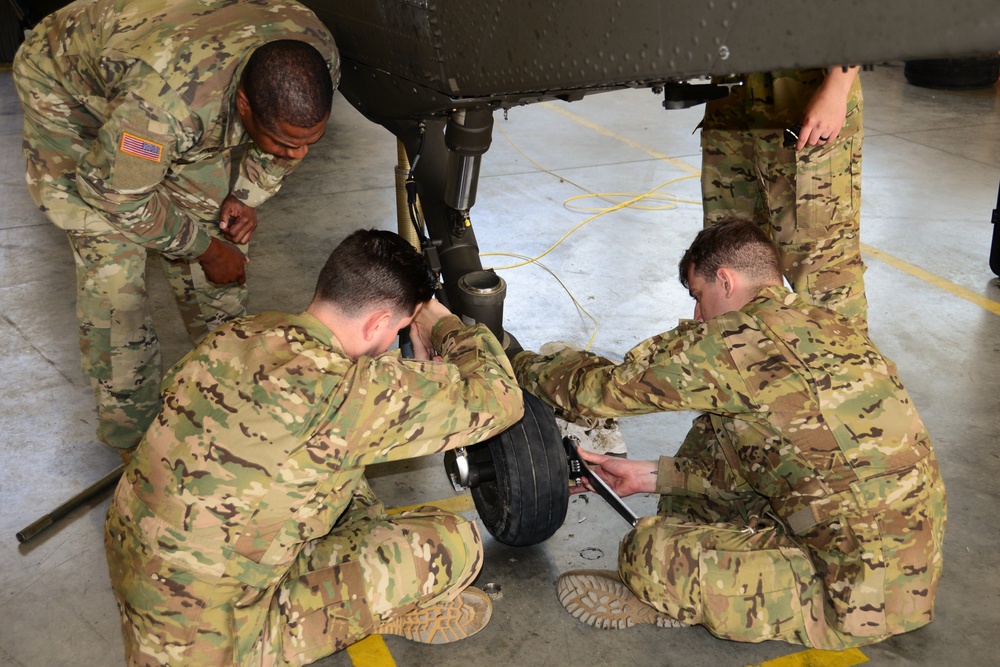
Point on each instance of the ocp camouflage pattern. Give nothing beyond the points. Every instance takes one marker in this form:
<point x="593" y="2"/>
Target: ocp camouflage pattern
<point x="165" y="72"/>
<point x="810" y="473"/>
<point x="808" y="201"/>
<point x="244" y="532"/>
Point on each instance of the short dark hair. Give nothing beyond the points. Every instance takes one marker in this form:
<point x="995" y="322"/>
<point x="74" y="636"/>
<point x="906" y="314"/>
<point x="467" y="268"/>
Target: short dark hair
<point x="733" y="244"/>
<point x="288" y="80"/>
<point x="372" y="269"/>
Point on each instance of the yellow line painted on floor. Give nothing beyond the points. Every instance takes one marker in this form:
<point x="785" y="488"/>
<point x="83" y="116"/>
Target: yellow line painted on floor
<point x="937" y="281"/>
<point x="370" y="652"/>
<point x="680" y="164"/>
<point x="816" y="658"/>
<point x="915" y="271"/>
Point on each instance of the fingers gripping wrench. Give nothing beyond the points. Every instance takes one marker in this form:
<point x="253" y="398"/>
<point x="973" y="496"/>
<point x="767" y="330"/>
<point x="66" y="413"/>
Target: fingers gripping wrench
<point x="578" y="469"/>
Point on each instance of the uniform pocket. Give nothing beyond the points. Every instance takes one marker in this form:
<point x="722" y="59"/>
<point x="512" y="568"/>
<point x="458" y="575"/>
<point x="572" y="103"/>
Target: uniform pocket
<point x="847" y="553"/>
<point x="160" y="604"/>
<point x="141" y="159"/>
<point x="323" y="611"/>
<point x="828" y="185"/>
<point x="749" y="596"/>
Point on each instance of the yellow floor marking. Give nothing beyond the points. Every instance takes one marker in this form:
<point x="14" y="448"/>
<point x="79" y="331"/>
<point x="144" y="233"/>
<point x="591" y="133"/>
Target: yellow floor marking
<point x="680" y="164"/>
<point x="937" y="281"/>
<point x="915" y="271"/>
<point x="454" y="504"/>
<point x="370" y="652"/>
<point x="817" y="658"/>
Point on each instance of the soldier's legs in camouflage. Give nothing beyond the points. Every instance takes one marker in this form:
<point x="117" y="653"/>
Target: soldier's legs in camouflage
<point x="813" y="199"/>
<point x="120" y="351"/>
<point x="199" y="190"/>
<point x="370" y="569"/>
<point x="729" y="187"/>
<point x="741" y="585"/>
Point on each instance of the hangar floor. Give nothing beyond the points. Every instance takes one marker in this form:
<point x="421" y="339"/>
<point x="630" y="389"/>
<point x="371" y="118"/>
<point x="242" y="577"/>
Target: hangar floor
<point x="931" y="169"/>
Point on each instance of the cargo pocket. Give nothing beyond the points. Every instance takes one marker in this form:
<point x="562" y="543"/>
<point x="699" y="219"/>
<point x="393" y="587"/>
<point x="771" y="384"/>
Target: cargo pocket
<point x="160" y="605"/>
<point x="848" y="557"/>
<point x="828" y="187"/>
<point x="323" y="611"/>
<point x="749" y="596"/>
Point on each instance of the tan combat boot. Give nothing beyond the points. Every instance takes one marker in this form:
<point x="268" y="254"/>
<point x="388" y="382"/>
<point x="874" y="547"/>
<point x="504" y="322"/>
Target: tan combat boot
<point x="601" y="599"/>
<point x="444" y="622"/>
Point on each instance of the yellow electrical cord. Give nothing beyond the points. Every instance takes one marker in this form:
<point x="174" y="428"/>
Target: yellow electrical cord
<point x="627" y="201"/>
<point x="551" y="273"/>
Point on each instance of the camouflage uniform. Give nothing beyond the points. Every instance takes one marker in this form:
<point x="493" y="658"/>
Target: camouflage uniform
<point x="243" y="531"/>
<point x="806" y="503"/>
<point x="810" y="201"/>
<point x="130" y="123"/>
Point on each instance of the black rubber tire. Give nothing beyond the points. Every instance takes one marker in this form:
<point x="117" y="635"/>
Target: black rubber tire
<point x="959" y="73"/>
<point x="527" y="502"/>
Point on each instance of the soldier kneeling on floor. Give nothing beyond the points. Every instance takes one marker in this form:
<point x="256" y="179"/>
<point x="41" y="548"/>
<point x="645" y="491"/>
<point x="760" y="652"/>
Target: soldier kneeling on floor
<point x="805" y="504"/>
<point x="243" y="530"/>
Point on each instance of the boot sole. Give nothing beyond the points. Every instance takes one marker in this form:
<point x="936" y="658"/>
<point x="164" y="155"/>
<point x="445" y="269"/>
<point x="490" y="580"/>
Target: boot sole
<point x="601" y="600"/>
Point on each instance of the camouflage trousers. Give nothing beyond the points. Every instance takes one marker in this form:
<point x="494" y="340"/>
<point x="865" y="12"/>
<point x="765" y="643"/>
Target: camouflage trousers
<point x="370" y="568"/>
<point x="120" y="350"/>
<point x="716" y="555"/>
<point x="808" y="201"/>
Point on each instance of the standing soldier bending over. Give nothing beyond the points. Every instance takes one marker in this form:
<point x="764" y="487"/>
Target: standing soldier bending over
<point x="805" y="504"/>
<point x="132" y="111"/>
<point x="244" y="531"/>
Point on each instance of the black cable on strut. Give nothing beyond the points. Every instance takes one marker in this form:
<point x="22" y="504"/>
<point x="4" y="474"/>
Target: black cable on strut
<point x="429" y="251"/>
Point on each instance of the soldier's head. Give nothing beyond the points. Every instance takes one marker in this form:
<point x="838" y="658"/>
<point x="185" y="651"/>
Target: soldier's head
<point x="369" y="289"/>
<point x="727" y="265"/>
<point x="284" y="97"/>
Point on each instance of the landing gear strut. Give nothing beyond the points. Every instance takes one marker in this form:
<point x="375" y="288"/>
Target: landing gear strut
<point x="520" y="478"/>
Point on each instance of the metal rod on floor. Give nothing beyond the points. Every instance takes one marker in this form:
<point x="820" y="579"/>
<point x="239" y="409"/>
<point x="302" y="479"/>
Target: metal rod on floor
<point x="94" y="489"/>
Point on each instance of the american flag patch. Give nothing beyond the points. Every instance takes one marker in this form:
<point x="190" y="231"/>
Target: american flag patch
<point x="147" y="150"/>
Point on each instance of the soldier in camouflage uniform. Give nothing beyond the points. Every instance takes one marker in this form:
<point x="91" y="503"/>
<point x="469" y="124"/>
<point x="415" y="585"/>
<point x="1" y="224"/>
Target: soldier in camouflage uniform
<point x="806" y="503"/>
<point x="808" y="195"/>
<point x="133" y="109"/>
<point x="244" y="532"/>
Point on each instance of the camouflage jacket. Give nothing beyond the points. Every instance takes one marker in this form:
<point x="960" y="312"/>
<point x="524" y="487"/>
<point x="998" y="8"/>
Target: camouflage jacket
<point x="810" y="415"/>
<point x="160" y="78"/>
<point x="264" y="435"/>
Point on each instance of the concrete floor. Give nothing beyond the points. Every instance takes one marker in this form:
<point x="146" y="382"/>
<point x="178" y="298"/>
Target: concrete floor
<point x="931" y="170"/>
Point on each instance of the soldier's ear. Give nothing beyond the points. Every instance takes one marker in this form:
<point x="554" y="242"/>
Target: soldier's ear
<point x="375" y="323"/>
<point x="728" y="279"/>
<point x="242" y="101"/>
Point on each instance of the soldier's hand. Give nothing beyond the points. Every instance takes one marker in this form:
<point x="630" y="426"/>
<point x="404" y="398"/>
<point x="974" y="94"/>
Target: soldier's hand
<point x="223" y="263"/>
<point x="423" y="324"/>
<point x="624" y="476"/>
<point x="237" y="220"/>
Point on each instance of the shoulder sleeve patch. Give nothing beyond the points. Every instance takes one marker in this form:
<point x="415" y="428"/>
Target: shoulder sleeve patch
<point x="141" y="159"/>
<point x="142" y="148"/>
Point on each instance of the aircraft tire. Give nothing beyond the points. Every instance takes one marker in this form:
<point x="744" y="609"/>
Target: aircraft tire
<point x="527" y="501"/>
